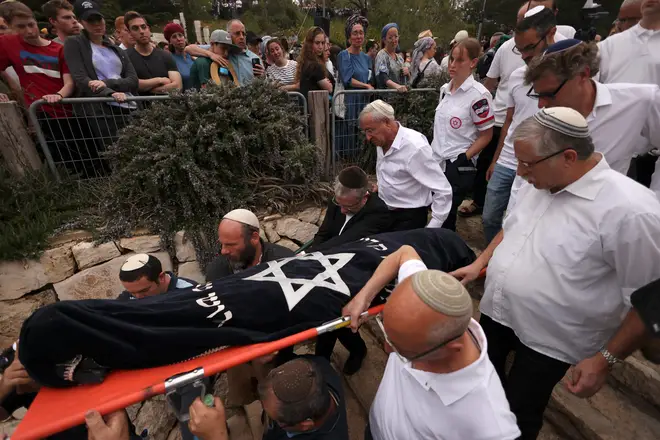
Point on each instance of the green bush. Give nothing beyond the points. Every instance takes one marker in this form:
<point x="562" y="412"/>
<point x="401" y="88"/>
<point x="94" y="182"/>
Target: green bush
<point x="184" y="163"/>
<point x="32" y="209"/>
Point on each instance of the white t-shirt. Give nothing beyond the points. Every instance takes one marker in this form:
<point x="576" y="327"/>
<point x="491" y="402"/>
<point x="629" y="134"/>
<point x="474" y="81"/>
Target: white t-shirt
<point x="632" y="56"/>
<point x="504" y="64"/>
<point x="285" y="75"/>
<point x="466" y="404"/>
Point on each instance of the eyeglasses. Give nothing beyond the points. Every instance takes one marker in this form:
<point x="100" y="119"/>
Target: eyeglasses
<point x="546" y="95"/>
<point x="527" y="49"/>
<point x="351" y="208"/>
<point x="379" y="321"/>
<point x="543" y="159"/>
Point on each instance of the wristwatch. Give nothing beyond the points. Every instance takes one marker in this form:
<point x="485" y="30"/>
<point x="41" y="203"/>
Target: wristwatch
<point x="609" y="357"/>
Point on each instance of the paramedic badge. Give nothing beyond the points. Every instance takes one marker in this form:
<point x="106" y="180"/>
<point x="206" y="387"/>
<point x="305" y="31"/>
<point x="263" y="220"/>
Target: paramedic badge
<point x="455" y="123"/>
<point x="481" y="108"/>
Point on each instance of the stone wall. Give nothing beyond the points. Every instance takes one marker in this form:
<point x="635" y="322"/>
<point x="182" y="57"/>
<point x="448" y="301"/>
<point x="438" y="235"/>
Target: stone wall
<point x="75" y="268"/>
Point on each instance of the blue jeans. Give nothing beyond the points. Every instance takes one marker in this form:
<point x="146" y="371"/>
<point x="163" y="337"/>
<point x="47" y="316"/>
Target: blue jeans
<point x="497" y="199"/>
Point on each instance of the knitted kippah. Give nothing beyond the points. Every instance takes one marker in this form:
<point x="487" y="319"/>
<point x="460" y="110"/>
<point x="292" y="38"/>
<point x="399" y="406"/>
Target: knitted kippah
<point x="293" y="381"/>
<point x="561" y="46"/>
<point x="442" y="292"/>
<point x="563" y="120"/>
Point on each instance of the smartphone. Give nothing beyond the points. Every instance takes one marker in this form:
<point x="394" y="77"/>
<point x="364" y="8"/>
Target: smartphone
<point x="223" y="71"/>
<point x="255" y="61"/>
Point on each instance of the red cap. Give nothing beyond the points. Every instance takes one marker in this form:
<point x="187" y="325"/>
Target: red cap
<point x="171" y="29"/>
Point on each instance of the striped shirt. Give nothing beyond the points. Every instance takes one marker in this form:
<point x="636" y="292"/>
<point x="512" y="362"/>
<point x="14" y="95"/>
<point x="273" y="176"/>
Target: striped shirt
<point x="284" y="75"/>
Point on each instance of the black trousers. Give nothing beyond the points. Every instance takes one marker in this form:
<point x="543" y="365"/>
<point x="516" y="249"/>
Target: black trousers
<point x="642" y="168"/>
<point x="483" y="162"/>
<point x="530" y="380"/>
<point x="409" y="218"/>
<point x="351" y="341"/>
<point x="461" y="183"/>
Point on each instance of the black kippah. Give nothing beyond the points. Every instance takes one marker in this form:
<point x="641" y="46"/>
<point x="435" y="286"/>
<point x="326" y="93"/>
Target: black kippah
<point x="353" y="178"/>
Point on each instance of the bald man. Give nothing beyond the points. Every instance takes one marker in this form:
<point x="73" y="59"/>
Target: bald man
<point x="241" y="245"/>
<point x="438" y="382"/>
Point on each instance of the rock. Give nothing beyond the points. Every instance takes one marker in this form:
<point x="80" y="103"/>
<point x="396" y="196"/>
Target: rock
<point x="9" y="426"/>
<point x="300" y="232"/>
<point x="185" y="251"/>
<point x="58" y="263"/>
<point x="262" y="234"/>
<point x="155" y="415"/>
<point x="133" y="411"/>
<point x="141" y="244"/>
<point x="70" y="237"/>
<point x="88" y="255"/>
<point x="20" y="277"/>
<point x="322" y="216"/>
<point x="271" y="233"/>
<point x="100" y="282"/>
<point x="192" y="271"/>
<point x="310" y="215"/>
<point x="272" y="217"/>
<point x="15" y="312"/>
<point x="175" y="434"/>
<point x="288" y="244"/>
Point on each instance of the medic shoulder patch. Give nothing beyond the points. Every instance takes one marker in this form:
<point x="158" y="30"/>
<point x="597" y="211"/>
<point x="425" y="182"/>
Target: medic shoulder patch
<point x="481" y="108"/>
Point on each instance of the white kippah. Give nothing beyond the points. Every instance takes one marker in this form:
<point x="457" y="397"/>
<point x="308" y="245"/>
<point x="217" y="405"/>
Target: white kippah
<point x="535" y="10"/>
<point x="243" y="216"/>
<point x="442" y="292"/>
<point x="563" y="120"/>
<point x="382" y="108"/>
<point x="134" y="262"/>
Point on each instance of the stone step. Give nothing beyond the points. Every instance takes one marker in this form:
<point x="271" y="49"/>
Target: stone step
<point x="355" y="413"/>
<point x="610" y="414"/>
<point x="639" y="377"/>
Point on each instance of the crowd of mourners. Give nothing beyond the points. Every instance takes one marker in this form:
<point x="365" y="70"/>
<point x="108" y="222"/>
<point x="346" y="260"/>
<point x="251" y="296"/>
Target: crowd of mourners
<point x="555" y="140"/>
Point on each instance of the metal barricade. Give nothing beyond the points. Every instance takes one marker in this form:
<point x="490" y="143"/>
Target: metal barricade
<point x="75" y="132"/>
<point x="346" y="107"/>
<point x="301" y="102"/>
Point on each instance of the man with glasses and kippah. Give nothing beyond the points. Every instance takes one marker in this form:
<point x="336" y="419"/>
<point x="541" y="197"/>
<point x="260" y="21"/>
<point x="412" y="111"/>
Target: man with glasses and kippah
<point x="438" y="382"/>
<point x="580" y="240"/>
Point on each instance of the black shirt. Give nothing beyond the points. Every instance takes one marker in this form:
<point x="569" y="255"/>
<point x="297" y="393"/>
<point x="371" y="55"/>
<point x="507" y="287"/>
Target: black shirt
<point x="310" y="76"/>
<point x="220" y="267"/>
<point x="335" y="427"/>
<point x="176" y="283"/>
<point x="158" y="64"/>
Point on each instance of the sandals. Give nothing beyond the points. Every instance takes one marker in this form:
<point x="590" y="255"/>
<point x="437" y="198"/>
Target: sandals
<point x="469" y="209"/>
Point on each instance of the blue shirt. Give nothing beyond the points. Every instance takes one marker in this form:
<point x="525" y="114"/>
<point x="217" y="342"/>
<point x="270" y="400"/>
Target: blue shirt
<point x="242" y="63"/>
<point x="354" y="66"/>
<point x="184" y="63"/>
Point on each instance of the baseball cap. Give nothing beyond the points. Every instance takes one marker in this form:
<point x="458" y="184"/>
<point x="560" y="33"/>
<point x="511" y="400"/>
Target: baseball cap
<point x="460" y="36"/>
<point x="243" y="216"/>
<point x="86" y="9"/>
<point x="252" y="38"/>
<point x="222" y="37"/>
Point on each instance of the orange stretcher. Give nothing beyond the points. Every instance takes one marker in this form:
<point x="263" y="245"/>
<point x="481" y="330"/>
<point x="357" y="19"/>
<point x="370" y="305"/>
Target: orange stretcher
<point x="58" y="409"/>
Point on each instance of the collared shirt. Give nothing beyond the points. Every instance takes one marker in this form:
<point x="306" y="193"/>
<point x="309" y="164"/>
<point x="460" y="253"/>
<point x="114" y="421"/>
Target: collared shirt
<point x="525" y="107"/>
<point x="632" y="56"/>
<point x="459" y="117"/>
<point x="466" y="404"/>
<point x="409" y="177"/>
<point x="624" y="122"/>
<point x="242" y="63"/>
<point x="563" y="274"/>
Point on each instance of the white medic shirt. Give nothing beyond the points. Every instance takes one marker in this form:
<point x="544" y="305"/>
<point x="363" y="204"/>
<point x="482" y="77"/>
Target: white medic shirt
<point x="409" y="177"/>
<point x="466" y="404"/>
<point x="459" y="117"/>
<point x="563" y="274"/>
<point x="525" y="107"/>
<point x="632" y="56"/>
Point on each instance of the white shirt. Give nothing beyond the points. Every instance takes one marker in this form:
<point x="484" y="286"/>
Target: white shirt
<point x="121" y="46"/>
<point x="655" y="182"/>
<point x="632" y="56"/>
<point x="525" y="107"/>
<point x="563" y="275"/>
<point x="349" y="216"/>
<point x="408" y="177"/>
<point x="565" y="31"/>
<point x="468" y="404"/>
<point x="459" y="117"/>
<point x="444" y="64"/>
<point x="624" y="122"/>
<point x="504" y="64"/>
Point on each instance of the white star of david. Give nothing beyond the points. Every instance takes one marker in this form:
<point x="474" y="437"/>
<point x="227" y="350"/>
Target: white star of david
<point x="293" y="296"/>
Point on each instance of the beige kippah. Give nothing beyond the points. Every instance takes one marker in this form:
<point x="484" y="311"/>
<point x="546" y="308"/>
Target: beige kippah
<point x="135" y="262"/>
<point x="243" y="216"/>
<point x="442" y="292"/>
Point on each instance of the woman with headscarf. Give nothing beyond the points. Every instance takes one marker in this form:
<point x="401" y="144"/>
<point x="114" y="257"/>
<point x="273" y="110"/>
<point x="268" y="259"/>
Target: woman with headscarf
<point x="354" y="68"/>
<point x="389" y="68"/>
<point x="423" y="63"/>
